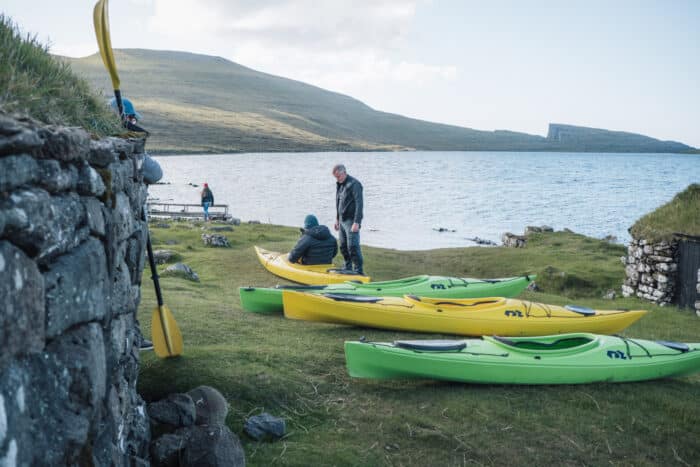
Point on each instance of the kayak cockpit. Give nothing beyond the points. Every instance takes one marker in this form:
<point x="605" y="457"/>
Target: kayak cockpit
<point x="563" y="343"/>
<point x="435" y="345"/>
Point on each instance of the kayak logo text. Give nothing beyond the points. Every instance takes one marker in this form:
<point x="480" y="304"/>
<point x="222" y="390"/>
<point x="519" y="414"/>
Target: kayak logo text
<point x="514" y="313"/>
<point x="617" y="354"/>
<point x="437" y="286"/>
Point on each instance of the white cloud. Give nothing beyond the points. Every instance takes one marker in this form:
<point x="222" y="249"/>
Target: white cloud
<point x="337" y="45"/>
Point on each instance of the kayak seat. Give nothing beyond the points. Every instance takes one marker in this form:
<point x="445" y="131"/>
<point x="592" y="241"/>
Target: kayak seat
<point x="680" y="346"/>
<point x="344" y="297"/>
<point x="565" y="343"/>
<point x="581" y="310"/>
<point x="436" y="345"/>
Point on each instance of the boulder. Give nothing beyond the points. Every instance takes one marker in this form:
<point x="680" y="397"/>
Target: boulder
<point x="215" y="240"/>
<point x="210" y="446"/>
<point x="177" y="410"/>
<point x="164" y="256"/>
<point x="182" y="270"/>
<point x="513" y="241"/>
<point x="265" y="426"/>
<point x="210" y="405"/>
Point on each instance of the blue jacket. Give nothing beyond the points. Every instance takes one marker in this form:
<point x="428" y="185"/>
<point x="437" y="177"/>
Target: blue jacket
<point x="316" y="246"/>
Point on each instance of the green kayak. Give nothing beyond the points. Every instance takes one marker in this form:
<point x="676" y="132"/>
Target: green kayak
<point x="563" y="359"/>
<point x="269" y="299"/>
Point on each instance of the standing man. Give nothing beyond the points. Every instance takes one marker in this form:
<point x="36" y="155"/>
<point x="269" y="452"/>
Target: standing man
<point x="348" y="208"/>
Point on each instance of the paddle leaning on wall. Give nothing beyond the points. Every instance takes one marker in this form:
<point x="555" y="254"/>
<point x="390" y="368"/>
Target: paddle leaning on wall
<point x="165" y="333"/>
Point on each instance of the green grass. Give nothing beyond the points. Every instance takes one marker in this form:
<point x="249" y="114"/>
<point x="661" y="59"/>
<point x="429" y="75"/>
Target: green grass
<point x="33" y="83"/>
<point x="296" y="369"/>
<point x="681" y="214"/>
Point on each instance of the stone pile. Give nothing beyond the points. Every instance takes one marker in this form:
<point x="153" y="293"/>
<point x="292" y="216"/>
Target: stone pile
<point x="72" y="242"/>
<point x="518" y="241"/>
<point x="190" y="431"/>
<point x="651" y="270"/>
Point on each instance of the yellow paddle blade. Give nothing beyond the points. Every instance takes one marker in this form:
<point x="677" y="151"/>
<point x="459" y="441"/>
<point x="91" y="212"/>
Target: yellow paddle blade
<point x="167" y="340"/>
<point x="100" y="17"/>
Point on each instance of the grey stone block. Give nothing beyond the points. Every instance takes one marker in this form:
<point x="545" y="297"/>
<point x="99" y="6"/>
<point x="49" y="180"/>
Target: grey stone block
<point x="176" y="410"/>
<point x="42" y="225"/>
<point x="15" y="420"/>
<point x="22" y="309"/>
<point x="17" y="138"/>
<point x="54" y="178"/>
<point x="90" y="182"/>
<point x="76" y="288"/>
<point x="121" y="221"/>
<point x="67" y="384"/>
<point x="102" y="152"/>
<point x="16" y="171"/>
<point x="122" y="295"/>
<point x="95" y="216"/>
<point x="64" y="143"/>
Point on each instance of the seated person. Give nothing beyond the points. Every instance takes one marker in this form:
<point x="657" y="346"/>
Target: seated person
<point x="130" y="117"/>
<point x="316" y="245"/>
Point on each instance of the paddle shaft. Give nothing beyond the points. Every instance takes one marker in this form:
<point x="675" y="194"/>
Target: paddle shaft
<point x="154" y="271"/>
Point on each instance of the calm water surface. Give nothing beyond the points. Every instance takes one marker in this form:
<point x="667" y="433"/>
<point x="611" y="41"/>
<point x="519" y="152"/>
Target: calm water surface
<point x="410" y="194"/>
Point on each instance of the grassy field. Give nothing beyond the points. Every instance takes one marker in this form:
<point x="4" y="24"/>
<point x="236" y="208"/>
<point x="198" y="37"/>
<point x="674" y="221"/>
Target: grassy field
<point x="296" y="369"/>
<point x="33" y="83"/>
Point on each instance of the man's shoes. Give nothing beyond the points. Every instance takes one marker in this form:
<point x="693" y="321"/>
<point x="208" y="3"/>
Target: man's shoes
<point x="146" y="345"/>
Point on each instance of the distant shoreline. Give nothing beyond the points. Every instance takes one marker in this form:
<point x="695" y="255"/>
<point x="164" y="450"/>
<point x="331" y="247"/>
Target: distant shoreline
<point x="174" y="153"/>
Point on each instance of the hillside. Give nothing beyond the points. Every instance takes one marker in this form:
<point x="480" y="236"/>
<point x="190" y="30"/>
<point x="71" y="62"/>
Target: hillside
<point x="199" y="103"/>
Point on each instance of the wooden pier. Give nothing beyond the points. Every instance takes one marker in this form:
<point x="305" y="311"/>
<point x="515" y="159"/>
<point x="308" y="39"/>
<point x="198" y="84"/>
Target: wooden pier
<point x="187" y="211"/>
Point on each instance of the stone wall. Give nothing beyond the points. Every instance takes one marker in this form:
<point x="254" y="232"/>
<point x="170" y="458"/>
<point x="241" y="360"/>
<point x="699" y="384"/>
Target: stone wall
<point x="651" y="270"/>
<point x="72" y="241"/>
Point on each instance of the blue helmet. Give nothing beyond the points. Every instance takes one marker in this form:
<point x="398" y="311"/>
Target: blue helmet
<point x="128" y="107"/>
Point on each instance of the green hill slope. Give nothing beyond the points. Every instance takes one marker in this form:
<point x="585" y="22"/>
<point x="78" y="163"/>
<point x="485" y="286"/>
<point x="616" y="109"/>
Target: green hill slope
<point x="33" y="83"/>
<point x="208" y="104"/>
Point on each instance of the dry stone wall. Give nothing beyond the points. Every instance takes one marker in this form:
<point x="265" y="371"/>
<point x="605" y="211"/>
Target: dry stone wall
<point x="72" y="241"/>
<point x="651" y="270"/>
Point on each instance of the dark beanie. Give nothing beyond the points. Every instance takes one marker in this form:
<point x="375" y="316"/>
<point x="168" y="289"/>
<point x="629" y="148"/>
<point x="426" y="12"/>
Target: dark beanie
<point x="310" y="221"/>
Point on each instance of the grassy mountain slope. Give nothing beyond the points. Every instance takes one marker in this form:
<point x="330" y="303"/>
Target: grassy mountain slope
<point x="202" y="103"/>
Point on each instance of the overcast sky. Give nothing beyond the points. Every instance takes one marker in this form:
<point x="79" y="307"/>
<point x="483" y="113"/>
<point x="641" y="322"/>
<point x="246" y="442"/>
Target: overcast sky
<point x="517" y="65"/>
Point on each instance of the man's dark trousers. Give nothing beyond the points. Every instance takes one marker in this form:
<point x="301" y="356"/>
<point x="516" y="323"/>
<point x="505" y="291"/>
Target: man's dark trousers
<point x="350" y="246"/>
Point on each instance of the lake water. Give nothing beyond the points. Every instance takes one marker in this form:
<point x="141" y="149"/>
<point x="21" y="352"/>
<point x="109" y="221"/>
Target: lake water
<point x="410" y="194"/>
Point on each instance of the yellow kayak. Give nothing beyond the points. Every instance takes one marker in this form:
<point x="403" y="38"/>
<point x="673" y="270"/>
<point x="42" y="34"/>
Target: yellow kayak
<point x="317" y="274"/>
<point x="469" y="317"/>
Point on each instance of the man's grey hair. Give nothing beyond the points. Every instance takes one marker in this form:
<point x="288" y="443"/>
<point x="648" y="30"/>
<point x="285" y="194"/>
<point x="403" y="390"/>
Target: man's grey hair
<point x="339" y="168"/>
